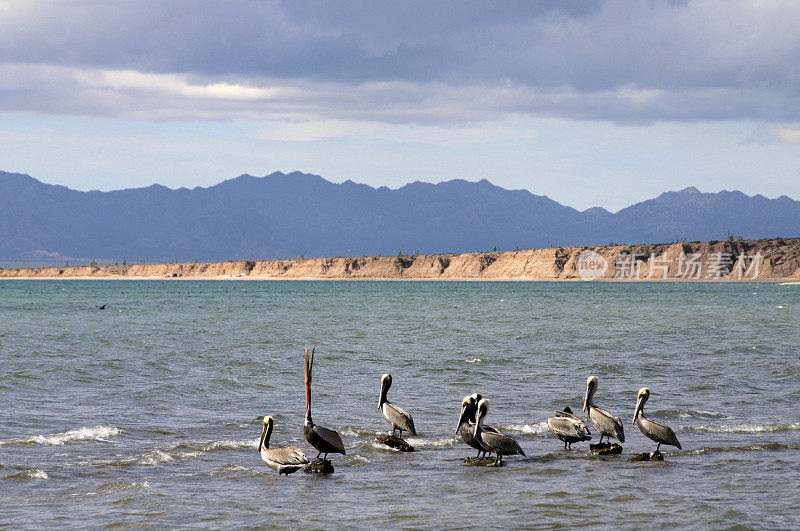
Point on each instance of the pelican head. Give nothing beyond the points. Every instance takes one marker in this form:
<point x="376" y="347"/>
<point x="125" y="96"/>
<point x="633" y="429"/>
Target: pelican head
<point x="267" y="419"/>
<point x="467" y="405"/>
<point x="386" y="383"/>
<point x="641" y="398"/>
<point x="591" y="387"/>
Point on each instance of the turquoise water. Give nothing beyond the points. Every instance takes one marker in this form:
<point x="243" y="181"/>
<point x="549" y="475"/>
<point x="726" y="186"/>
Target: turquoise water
<point x="149" y="412"/>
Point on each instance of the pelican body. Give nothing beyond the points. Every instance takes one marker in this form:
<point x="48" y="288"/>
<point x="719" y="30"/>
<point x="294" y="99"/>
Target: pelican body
<point x="325" y="441"/>
<point x="660" y="433"/>
<point x="466" y="423"/>
<point x="568" y="428"/>
<point x="607" y="425"/>
<point x="397" y="417"/>
<point x="498" y="443"/>
<point x="283" y="460"/>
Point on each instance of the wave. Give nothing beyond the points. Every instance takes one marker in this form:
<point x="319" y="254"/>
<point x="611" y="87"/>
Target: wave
<point x="28" y="474"/>
<point x="186" y="451"/>
<point x="418" y="442"/>
<point x="538" y="428"/>
<point x="119" y="486"/>
<point x="746" y="428"/>
<point x="473" y="360"/>
<point x="94" y="433"/>
<point x="747" y="448"/>
<point x="685" y="414"/>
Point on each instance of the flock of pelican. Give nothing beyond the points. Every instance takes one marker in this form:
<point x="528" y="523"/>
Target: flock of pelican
<point x="565" y="426"/>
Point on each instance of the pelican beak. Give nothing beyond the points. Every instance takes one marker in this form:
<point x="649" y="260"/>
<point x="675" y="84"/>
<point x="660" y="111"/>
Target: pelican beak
<point x="586" y="400"/>
<point x="461" y="418"/>
<point x="637" y="410"/>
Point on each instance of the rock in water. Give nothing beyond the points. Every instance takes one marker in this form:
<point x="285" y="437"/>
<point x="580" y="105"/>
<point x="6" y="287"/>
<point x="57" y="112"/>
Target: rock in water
<point x="394" y="442"/>
<point x="476" y="461"/>
<point x="655" y="455"/>
<point x="605" y="448"/>
<point x="319" y="466"/>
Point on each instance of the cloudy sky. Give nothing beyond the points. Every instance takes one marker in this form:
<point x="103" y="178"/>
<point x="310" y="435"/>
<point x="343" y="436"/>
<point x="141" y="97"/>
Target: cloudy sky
<point x="590" y="103"/>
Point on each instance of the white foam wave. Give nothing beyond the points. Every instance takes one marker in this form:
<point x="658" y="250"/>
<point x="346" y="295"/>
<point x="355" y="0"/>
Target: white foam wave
<point x="230" y="445"/>
<point x="747" y="428"/>
<point x="156" y="457"/>
<point x="350" y="431"/>
<point x="431" y="443"/>
<point x="94" y="433"/>
<point x="29" y="474"/>
<point x="527" y="429"/>
<point x="473" y="360"/>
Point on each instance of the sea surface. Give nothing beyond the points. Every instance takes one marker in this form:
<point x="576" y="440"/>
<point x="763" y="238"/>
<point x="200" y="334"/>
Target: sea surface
<point x="148" y="413"/>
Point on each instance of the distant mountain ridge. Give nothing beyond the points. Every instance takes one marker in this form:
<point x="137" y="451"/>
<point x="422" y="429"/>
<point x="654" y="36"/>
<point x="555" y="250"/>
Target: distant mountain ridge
<point x="286" y="215"/>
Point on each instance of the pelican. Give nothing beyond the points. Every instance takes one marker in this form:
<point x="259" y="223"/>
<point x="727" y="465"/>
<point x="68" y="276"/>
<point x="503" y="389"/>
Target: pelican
<point x="324" y="440"/>
<point x="498" y="443"/>
<point x="466" y="423"/>
<point x="607" y="424"/>
<point x="654" y="430"/>
<point x="284" y="460"/>
<point x="397" y="417"/>
<point x="569" y="428"/>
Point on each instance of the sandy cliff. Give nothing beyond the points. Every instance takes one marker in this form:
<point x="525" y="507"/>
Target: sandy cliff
<point x="707" y="261"/>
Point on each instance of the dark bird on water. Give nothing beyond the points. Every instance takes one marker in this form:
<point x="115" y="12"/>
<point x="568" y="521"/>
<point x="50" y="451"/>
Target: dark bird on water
<point x="607" y="425"/>
<point x="103" y="307"/>
<point x="569" y="428"/>
<point x="284" y="460"/>
<point x="397" y="417"/>
<point x="323" y="439"/>
<point x="498" y="443"/>
<point x="660" y="433"/>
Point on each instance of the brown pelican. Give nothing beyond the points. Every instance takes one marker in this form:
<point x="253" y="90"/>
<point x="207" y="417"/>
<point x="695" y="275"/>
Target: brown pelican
<point x="466" y="423"/>
<point x="654" y="430"/>
<point x="397" y="417"/>
<point x="568" y="427"/>
<point x="324" y="440"/>
<point x="498" y="443"/>
<point x="284" y="460"/>
<point x="607" y="424"/>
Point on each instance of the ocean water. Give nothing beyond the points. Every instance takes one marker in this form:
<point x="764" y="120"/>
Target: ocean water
<point x="149" y="412"/>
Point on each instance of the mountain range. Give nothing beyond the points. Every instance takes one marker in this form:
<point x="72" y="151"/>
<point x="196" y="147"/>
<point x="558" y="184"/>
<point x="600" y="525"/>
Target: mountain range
<point x="289" y="215"/>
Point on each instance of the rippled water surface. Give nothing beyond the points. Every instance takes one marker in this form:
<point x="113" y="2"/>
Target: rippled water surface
<point x="149" y="412"/>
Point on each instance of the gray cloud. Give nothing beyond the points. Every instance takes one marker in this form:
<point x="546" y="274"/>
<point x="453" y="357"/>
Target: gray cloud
<point x="418" y="61"/>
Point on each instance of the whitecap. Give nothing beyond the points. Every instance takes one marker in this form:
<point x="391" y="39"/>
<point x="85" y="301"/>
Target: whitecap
<point x="230" y="445"/>
<point x="94" y="433"/>
<point x="29" y="474"/>
<point x="431" y="443"/>
<point x="473" y="360"/>
<point x="747" y="428"/>
<point x="527" y="429"/>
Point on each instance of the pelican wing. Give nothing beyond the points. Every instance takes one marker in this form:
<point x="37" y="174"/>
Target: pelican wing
<point x="606" y="423"/>
<point x="567" y="414"/>
<point x="330" y="438"/>
<point x="501" y="444"/>
<point x="399" y="417"/>
<point x="658" y="432"/>
<point x="569" y="428"/>
<point x="289" y="455"/>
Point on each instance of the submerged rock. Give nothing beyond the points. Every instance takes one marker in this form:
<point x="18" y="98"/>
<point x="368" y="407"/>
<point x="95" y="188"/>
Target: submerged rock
<point x="482" y="461"/>
<point x="605" y="448"/>
<point x="394" y="442"/>
<point x="319" y="466"/>
<point x="655" y="455"/>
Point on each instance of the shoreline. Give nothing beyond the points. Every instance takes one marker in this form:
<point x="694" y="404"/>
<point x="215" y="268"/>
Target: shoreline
<point x="773" y="261"/>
